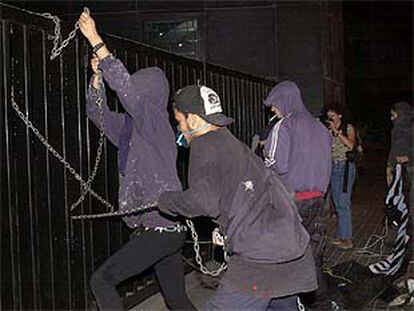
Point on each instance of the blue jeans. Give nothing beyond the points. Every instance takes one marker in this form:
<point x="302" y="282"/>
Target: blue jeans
<point x="342" y="199"/>
<point x="229" y="298"/>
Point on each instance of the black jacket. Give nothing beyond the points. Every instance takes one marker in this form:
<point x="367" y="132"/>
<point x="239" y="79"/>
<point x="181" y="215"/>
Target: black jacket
<point x="230" y="184"/>
<point x="402" y="134"/>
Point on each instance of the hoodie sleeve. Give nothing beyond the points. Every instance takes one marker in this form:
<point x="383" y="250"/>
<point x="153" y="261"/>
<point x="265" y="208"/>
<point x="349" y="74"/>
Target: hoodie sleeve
<point x="112" y="121"/>
<point x="201" y="198"/>
<point x="119" y="79"/>
<point x="277" y="149"/>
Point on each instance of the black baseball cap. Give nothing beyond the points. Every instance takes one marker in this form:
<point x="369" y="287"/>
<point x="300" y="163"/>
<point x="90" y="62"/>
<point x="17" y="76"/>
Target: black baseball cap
<point x="202" y="101"/>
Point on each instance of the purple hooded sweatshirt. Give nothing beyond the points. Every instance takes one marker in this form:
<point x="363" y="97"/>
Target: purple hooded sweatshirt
<point x="299" y="145"/>
<point x="143" y="136"/>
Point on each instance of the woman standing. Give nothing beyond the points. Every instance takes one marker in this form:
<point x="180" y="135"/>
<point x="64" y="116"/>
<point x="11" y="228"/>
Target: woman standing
<point x="343" y="173"/>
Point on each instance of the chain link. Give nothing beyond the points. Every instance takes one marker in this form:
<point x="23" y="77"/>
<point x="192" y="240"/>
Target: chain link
<point x="57" y="37"/>
<point x="142" y="208"/>
<point x="58" y="43"/>
<point x="194" y="235"/>
<point x="198" y="258"/>
<point x="86" y="186"/>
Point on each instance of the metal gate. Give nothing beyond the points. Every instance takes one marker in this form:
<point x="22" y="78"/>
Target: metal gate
<point x="47" y="259"/>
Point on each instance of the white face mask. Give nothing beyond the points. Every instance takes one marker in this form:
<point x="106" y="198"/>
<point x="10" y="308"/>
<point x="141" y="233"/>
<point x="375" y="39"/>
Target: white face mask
<point x="182" y="141"/>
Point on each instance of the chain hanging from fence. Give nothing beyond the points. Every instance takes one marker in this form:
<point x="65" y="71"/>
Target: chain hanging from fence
<point x="150" y="206"/>
<point x="58" y="43"/>
<point x="58" y="46"/>
<point x="86" y="186"/>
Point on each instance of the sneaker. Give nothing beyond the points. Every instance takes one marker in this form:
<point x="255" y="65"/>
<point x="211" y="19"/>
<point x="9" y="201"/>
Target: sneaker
<point x="337" y="242"/>
<point x="346" y="244"/>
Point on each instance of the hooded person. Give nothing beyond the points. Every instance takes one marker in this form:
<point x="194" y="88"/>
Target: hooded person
<point x="298" y="150"/>
<point x="147" y="164"/>
<point x="401" y="149"/>
<point x="271" y="261"/>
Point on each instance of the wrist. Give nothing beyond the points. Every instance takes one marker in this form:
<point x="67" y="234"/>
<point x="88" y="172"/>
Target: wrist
<point x="94" y="39"/>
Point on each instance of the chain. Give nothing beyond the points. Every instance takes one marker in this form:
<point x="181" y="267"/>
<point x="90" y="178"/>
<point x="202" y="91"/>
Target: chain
<point x="128" y="212"/>
<point x="57" y="37"/>
<point x="58" y="43"/>
<point x="86" y="186"/>
<point x="198" y="258"/>
<point x="194" y="235"/>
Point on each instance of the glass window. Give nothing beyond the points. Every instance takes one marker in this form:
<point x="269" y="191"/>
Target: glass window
<point x="176" y="36"/>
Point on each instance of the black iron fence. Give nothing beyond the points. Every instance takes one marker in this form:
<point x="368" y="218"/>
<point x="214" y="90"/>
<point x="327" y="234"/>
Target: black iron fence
<point x="46" y="258"/>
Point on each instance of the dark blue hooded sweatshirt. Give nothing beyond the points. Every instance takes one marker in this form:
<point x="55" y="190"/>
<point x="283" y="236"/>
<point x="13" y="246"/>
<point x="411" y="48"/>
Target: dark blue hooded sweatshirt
<point x="143" y="136"/>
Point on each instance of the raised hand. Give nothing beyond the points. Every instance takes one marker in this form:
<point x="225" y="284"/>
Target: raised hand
<point x="87" y="26"/>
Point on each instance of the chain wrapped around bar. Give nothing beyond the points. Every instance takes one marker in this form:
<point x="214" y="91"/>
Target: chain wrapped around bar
<point x="58" y="43"/>
<point x="86" y="185"/>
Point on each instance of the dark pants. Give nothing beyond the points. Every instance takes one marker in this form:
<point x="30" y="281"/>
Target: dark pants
<point x="145" y="249"/>
<point x="314" y="213"/>
<point x="227" y="297"/>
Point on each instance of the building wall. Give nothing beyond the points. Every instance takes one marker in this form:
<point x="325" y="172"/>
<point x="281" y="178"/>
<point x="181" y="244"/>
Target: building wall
<point x="274" y="39"/>
<point x="243" y="39"/>
<point x="299" y="49"/>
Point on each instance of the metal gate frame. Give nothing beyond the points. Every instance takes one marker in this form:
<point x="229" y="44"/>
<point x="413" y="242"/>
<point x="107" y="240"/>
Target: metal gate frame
<point x="46" y="258"/>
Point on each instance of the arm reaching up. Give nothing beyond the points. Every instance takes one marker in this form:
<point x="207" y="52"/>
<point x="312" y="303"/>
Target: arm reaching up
<point x="114" y="71"/>
<point x="112" y="121"/>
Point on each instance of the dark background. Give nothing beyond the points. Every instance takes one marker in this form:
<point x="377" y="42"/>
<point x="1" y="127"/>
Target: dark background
<point x="283" y="39"/>
<point x="379" y="58"/>
<point x="358" y="54"/>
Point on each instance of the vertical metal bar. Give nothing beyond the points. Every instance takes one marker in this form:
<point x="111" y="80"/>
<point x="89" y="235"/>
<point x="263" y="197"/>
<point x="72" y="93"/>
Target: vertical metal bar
<point x="233" y="102"/>
<point x="12" y="234"/>
<point x="187" y="75"/>
<point x="223" y="90"/>
<point x="67" y="214"/>
<point x="172" y="75"/>
<point x="194" y="74"/>
<point x="15" y="171"/>
<point x="88" y="160"/>
<point x="28" y="164"/>
<point x="49" y="205"/>
<point x="80" y="154"/>
<point x="180" y="75"/>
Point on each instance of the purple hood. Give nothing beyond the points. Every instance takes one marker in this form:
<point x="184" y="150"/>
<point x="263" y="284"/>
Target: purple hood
<point x="287" y="98"/>
<point x="154" y="86"/>
<point x="299" y="146"/>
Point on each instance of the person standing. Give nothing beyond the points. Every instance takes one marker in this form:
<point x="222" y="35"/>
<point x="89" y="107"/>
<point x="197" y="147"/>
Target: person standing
<point x="147" y="166"/>
<point x="298" y="149"/>
<point x="401" y="149"/>
<point x="271" y="261"/>
<point x="343" y="173"/>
